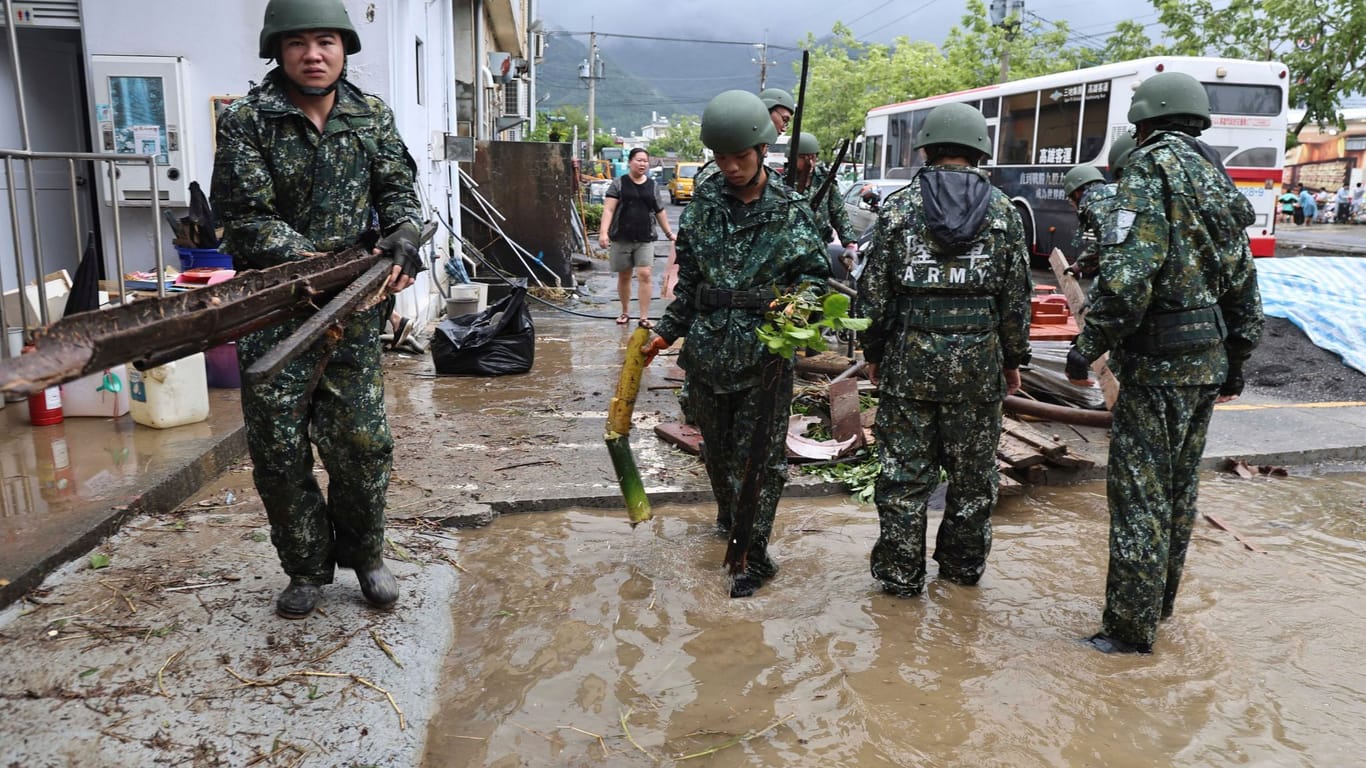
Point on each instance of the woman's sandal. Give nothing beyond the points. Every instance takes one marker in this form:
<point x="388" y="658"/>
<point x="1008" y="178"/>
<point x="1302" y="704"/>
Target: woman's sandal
<point x="645" y="323"/>
<point x="623" y="318"/>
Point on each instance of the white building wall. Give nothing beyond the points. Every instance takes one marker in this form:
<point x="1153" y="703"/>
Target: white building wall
<point x="219" y="43"/>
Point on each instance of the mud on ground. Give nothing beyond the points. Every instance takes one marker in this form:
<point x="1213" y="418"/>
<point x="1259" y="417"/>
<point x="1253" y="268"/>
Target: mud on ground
<point x="1286" y="364"/>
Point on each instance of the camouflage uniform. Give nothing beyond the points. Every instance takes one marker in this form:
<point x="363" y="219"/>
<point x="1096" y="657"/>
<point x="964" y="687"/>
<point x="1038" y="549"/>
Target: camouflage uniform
<point x="831" y="212"/>
<point x="1176" y="275"/>
<point x="727" y="245"/>
<point x="281" y="189"/>
<point x="946" y="321"/>
<point x="1096" y="205"/>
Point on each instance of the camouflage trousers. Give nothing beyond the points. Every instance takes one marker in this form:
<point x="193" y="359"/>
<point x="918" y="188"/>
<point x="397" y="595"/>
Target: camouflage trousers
<point x="334" y="401"/>
<point x="726" y="421"/>
<point x="915" y="439"/>
<point x="1151" y="484"/>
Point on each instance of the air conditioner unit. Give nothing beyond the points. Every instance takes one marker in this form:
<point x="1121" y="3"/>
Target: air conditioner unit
<point x="515" y="98"/>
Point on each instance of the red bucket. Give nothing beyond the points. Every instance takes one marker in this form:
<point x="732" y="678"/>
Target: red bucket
<point x="45" y="407"/>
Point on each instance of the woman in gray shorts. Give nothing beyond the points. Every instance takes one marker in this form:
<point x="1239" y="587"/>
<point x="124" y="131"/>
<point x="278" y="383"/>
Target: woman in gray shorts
<point x="629" y="213"/>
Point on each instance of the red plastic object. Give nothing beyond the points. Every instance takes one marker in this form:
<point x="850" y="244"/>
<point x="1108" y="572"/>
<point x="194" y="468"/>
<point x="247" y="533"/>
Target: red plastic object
<point x="45" y="408"/>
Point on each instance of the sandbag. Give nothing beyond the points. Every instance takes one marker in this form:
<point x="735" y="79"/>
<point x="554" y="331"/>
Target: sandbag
<point x="498" y="341"/>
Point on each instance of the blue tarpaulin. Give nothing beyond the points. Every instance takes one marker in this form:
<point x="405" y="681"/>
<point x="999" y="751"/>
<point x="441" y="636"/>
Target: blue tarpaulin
<point x="1324" y="296"/>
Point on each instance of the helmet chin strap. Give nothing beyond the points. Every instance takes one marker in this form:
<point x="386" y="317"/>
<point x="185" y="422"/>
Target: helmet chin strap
<point x="759" y="169"/>
<point x="310" y="90"/>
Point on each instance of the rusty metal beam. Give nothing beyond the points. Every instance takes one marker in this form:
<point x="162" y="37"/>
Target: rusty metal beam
<point x="149" y="332"/>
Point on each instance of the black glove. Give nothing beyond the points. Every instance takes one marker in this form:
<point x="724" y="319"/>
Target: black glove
<point x="1233" y="383"/>
<point x="1078" y="367"/>
<point x="401" y="246"/>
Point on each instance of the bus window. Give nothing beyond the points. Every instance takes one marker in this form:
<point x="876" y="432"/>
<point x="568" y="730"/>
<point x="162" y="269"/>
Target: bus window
<point x="1017" y="129"/>
<point x="1095" y="116"/>
<point x="904" y="129"/>
<point x="991" y="142"/>
<point x="1230" y="99"/>
<point x="872" y="154"/>
<point x="990" y="108"/>
<point x="1257" y="157"/>
<point x="1059" y="114"/>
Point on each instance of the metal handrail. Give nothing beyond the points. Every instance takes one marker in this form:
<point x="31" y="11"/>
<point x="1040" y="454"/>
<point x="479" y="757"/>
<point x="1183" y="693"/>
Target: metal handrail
<point x="110" y="161"/>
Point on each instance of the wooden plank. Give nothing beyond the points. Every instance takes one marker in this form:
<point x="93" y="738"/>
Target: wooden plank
<point x="1017" y="453"/>
<point x="685" y="437"/>
<point x="1042" y="443"/>
<point x="1076" y="301"/>
<point x="1009" y="486"/>
<point x="845" y="417"/>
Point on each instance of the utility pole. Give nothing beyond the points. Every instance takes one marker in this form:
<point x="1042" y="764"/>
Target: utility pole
<point x="1010" y="22"/>
<point x="591" y="70"/>
<point x="763" y="61"/>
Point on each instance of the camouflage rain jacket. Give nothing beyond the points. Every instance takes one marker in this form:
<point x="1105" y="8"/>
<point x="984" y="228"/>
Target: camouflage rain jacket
<point x="1096" y="206"/>
<point x="770" y="246"/>
<point x="947" y="289"/>
<point x="1176" y="241"/>
<point x="831" y="212"/>
<point x="280" y="188"/>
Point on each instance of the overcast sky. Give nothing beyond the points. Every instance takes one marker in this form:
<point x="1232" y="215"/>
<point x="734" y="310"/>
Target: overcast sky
<point x="786" y="21"/>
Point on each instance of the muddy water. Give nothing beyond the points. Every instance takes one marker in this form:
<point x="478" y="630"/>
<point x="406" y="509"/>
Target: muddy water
<point x="572" y="627"/>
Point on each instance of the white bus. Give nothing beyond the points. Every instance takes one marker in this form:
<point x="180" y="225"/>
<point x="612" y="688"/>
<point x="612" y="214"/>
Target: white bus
<point x="1041" y="127"/>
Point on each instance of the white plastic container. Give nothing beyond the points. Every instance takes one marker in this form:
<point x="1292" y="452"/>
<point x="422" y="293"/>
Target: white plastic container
<point x="467" y="299"/>
<point x="170" y="395"/>
<point x="103" y="394"/>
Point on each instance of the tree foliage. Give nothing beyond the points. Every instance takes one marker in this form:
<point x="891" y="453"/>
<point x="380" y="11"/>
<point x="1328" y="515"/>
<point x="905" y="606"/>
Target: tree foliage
<point x="1321" y="42"/>
<point x="562" y="120"/>
<point x="848" y="77"/>
<point x="683" y="138"/>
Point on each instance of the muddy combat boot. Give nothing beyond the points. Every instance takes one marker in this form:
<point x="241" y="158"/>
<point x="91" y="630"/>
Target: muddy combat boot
<point x="298" y="600"/>
<point x="760" y="568"/>
<point x="378" y="585"/>
<point x="1106" y="644"/>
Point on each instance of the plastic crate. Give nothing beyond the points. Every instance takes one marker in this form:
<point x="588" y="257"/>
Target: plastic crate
<point x="203" y="258"/>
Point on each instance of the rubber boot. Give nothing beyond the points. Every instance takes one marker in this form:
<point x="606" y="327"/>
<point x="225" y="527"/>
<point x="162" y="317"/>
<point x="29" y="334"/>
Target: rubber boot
<point x="378" y="585"/>
<point x="298" y="600"/>
<point x="1106" y="644"/>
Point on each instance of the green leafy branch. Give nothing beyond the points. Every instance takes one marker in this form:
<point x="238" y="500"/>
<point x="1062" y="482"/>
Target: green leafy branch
<point x="798" y="320"/>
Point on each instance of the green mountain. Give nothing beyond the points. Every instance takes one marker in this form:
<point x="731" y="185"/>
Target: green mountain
<point x="651" y="76"/>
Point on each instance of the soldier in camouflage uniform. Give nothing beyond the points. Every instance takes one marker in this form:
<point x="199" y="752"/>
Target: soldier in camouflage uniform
<point x="1176" y="306"/>
<point x="743" y="237"/>
<point x="781" y="107"/>
<point x="947" y="290"/>
<point x="830" y="213"/>
<point x="303" y="164"/>
<point x="1086" y="189"/>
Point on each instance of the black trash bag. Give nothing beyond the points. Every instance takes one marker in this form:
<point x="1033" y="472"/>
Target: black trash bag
<point x="498" y="341"/>
<point x="85" y="288"/>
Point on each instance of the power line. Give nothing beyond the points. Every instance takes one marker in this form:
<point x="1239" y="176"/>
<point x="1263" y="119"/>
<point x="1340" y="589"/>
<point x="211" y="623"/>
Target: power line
<point x="673" y="39"/>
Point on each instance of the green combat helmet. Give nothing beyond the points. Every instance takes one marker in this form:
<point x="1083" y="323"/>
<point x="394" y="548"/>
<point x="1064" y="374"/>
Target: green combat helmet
<point x="808" y="144"/>
<point x="1174" y="95"/>
<point x="777" y="97"/>
<point x="299" y="15"/>
<point x="1079" y="177"/>
<point x="735" y="121"/>
<point x="1120" y="149"/>
<point x="956" y="124"/>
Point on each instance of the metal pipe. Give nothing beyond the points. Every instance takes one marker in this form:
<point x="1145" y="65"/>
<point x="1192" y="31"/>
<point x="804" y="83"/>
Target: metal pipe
<point x="75" y="209"/>
<point x="41" y="276"/>
<point x="118" y="229"/>
<point x="10" y="30"/>
<point x="156" y="225"/>
<point x="18" y="247"/>
<point x="1065" y="414"/>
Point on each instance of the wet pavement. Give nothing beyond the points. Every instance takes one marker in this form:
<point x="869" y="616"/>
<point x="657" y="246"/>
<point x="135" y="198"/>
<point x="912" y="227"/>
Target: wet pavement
<point x="188" y="596"/>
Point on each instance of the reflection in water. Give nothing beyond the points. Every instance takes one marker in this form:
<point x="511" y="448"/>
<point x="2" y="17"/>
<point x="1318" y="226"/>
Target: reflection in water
<point x="569" y="622"/>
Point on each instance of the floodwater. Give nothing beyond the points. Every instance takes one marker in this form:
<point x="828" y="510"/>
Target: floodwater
<point x="582" y="642"/>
